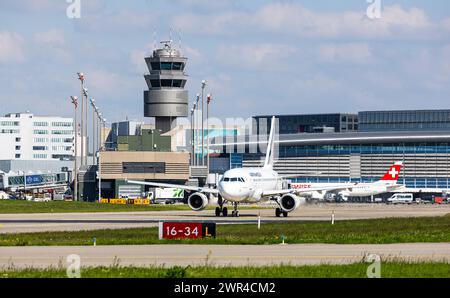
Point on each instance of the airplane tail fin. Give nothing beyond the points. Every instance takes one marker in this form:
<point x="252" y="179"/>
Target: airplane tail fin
<point x="268" y="163"/>
<point x="391" y="176"/>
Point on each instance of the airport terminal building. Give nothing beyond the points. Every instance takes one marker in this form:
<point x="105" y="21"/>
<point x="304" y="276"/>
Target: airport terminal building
<point x="364" y="156"/>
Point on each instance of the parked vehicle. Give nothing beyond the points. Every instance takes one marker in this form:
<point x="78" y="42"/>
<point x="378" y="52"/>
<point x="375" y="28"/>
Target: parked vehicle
<point x="166" y="195"/>
<point x="4" y="195"/>
<point x="401" y="198"/>
<point x="439" y="200"/>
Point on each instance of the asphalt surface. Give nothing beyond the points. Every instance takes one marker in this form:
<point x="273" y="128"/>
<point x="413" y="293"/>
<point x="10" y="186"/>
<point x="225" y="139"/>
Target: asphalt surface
<point x="217" y="255"/>
<point x="19" y="223"/>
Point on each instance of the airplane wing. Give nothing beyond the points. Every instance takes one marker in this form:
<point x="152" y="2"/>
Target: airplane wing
<point x="167" y="185"/>
<point x="275" y="192"/>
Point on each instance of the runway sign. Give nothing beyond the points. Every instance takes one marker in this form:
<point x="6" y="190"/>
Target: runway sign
<point x="186" y="230"/>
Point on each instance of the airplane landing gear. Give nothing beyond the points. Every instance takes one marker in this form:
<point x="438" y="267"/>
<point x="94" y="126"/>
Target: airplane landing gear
<point x="279" y="212"/>
<point x="221" y="209"/>
<point x="235" y="212"/>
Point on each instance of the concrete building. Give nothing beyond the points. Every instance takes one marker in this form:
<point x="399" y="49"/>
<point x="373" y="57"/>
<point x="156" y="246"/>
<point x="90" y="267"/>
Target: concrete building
<point x="36" y="149"/>
<point x="166" y="99"/>
<point x="117" y="166"/>
<point x="25" y="136"/>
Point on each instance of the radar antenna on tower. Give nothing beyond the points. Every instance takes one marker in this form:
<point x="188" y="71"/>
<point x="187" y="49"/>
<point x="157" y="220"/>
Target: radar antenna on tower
<point x="154" y="39"/>
<point x="179" y="40"/>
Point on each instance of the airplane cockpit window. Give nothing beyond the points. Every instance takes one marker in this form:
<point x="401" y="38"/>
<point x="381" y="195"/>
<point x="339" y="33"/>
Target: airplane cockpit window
<point x="234" y="179"/>
<point x="226" y="179"/>
<point x="241" y="179"/>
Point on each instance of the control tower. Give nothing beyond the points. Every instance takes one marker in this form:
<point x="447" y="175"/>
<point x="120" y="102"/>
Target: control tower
<point x="166" y="98"/>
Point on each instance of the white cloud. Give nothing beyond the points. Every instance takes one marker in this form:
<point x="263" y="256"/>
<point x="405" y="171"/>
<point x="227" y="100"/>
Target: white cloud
<point x="11" y="48"/>
<point x="122" y="22"/>
<point x="357" y="53"/>
<point x="105" y="83"/>
<point x="54" y="37"/>
<point x="255" y="55"/>
<point x="191" y="52"/>
<point x="446" y="24"/>
<point x="52" y="44"/>
<point x="32" y="5"/>
<point x="293" y="19"/>
<point x="137" y="58"/>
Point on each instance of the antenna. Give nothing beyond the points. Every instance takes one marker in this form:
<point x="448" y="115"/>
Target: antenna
<point x="154" y="39"/>
<point x="179" y="39"/>
<point x="170" y="33"/>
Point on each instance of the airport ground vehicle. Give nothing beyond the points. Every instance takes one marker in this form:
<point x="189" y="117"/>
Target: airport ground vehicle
<point x="169" y="195"/>
<point x="4" y="195"/>
<point x="378" y="200"/>
<point x="439" y="200"/>
<point x="401" y="198"/>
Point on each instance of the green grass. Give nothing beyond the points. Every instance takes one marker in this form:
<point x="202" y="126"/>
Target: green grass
<point x="22" y="206"/>
<point x="19" y="206"/>
<point x="371" y="231"/>
<point x="357" y="270"/>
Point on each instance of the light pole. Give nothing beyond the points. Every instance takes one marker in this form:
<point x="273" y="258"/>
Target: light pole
<point x="85" y="149"/>
<point x="96" y="129"/>
<point x="75" y="167"/>
<point x="99" y="166"/>
<point x="103" y="130"/>
<point x="94" y="107"/>
<point x="81" y="78"/>
<point x="100" y="119"/>
<point x="86" y="123"/>
<point x="209" y="98"/>
<point x="203" y="129"/>
<point x="192" y="134"/>
<point x="197" y="141"/>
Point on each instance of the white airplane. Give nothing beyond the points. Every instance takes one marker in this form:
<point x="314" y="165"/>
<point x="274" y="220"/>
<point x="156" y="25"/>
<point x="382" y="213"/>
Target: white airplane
<point x="387" y="183"/>
<point x="249" y="185"/>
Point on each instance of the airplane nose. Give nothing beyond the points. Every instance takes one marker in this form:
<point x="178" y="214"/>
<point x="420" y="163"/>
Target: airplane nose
<point x="234" y="192"/>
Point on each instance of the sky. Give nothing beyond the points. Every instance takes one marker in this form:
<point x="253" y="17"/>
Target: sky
<point x="259" y="57"/>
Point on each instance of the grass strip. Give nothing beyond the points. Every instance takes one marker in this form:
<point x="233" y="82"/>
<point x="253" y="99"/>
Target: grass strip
<point x="368" y="231"/>
<point x="356" y="270"/>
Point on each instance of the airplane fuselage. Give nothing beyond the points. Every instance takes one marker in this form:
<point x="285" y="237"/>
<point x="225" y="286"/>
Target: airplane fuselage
<point x="247" y="184"/>
<point x="359" y="190"/>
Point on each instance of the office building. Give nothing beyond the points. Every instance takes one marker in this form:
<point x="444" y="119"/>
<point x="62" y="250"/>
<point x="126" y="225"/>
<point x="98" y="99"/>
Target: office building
<point x="404" y="120"/>
<point x="308" y="123"/>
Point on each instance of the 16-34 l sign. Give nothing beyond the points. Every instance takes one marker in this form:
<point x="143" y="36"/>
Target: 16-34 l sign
<point x="187" y="230"/>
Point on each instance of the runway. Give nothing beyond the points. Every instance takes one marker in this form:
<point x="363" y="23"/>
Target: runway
<point x="217" y="255"/>
<point x="19" y="223"/>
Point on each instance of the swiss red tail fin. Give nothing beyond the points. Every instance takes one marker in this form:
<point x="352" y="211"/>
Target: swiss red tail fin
<point x="393" y="173"/>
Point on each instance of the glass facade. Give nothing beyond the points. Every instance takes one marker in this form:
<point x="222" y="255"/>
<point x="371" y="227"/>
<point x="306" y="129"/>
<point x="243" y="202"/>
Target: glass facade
<point x="441" y="183"/>
<point x="314" y="123"/>
<point x="428" y="120"/>
<point x="426" y="164"/>
<point x="387" y="148"/>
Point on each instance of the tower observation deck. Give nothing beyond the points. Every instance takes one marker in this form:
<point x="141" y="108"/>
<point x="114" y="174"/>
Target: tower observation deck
<point x="166" y="98"/>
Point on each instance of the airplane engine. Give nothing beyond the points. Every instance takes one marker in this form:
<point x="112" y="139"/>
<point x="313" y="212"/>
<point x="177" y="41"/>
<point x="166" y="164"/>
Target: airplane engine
<point x="197" y="201"/>
<point x="290" y="202"/>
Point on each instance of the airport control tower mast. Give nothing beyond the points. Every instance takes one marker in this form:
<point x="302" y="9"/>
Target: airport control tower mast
<point x="166" y="98"/>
